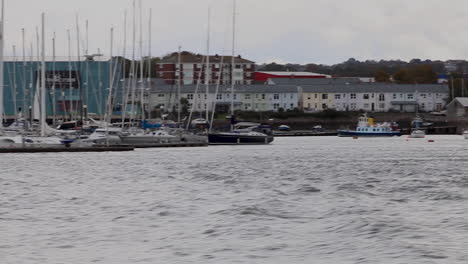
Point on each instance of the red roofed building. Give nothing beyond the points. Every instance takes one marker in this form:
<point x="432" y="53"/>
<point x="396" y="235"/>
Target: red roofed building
<point x="263" y="76"/>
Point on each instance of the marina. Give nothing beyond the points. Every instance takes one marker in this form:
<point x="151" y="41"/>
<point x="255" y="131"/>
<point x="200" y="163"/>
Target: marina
<point x="167" y="205"/>
<point x="257" y="132"/>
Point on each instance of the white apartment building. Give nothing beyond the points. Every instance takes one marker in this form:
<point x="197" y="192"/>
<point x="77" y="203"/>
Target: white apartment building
<point x="245" y="97"/>
<point x="375" y="97"/>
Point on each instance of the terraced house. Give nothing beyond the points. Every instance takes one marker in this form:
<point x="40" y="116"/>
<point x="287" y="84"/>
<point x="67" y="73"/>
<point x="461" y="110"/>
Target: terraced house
<point x="374" y="97"/>
<point x="246" y="97"/>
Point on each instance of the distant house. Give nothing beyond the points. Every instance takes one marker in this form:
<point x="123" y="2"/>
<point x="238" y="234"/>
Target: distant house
<point x="458" y="107"/>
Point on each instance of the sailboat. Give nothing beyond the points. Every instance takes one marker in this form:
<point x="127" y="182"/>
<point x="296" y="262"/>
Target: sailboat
<point x="239" y="135"/>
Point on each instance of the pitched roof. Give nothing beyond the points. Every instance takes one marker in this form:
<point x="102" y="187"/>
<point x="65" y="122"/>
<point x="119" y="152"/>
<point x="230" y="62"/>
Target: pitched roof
<point x="313" y="81"/>
<point x="376" y="88"/>
<point x="227" y="89"/>
<point x="462" y="100"/>
<point x="198" y="58"/>
<point x="287" y="73"/>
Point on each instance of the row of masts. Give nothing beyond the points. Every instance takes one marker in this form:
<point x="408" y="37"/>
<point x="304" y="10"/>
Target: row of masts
<point x="130" y="92"/>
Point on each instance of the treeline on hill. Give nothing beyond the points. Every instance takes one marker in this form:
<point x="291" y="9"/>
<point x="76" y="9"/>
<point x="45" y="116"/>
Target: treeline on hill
<point x="414" y="71"/>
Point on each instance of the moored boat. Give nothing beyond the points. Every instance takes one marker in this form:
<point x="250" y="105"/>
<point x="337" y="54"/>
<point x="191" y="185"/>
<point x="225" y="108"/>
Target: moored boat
<point x="367" y="128"/>
<point x="418" y="133"/>
<point x="244" y="133"/>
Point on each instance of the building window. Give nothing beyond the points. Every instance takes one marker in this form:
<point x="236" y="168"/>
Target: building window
<point x="247" y="106"/>
<point x="366" y="106"/>
<point x="365" y="96"/>
<point x="394" y="96"/>
<point x="235" y="96"/>
<point x="263" y="96"/>
<point x="315" y="96"/>
<point x="423" y="96"/>
<point x="324" y="96"/>
<point x="381" y="97"/>
<point x="161" y="95"/>
<point x="382" y="105"/>
<point x="353" y="96"/>
<point x="337" y="96"/>
<point x="247" y="96"/>
<point x="422" y="106"/>
<point x="276" y="96"/>
<point x="410" y="96"/>
<point x="324" y="106"/>
<point x="275" y="106"/>
<point x="353" y="106"/>
<point x="219" y="96"/>
<point x="438" y="107"/>
<point x="190" y="96"/>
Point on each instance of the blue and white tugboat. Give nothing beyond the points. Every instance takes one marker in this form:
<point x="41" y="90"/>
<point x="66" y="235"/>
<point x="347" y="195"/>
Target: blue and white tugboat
<point x="367" y="128"/>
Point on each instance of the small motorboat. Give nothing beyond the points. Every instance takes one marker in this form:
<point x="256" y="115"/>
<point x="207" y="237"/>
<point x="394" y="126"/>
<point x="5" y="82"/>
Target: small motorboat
<point x="418" y="133"/>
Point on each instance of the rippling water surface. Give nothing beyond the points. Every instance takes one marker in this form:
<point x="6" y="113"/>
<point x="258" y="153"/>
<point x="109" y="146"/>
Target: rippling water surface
<point x="299" y="200"/>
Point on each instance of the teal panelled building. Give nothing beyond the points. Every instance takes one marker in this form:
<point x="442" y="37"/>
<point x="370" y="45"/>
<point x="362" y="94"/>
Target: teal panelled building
<point x="76" y="84"/>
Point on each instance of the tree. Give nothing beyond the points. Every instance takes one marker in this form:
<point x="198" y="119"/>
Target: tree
<point x="184" y="103"/>
<point x="382" y="76"/>
<point x="422" y="74"/>
<point x="402" y="76"/>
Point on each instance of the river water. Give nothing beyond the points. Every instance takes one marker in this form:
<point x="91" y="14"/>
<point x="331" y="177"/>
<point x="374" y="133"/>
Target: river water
<point x="299" y="200"/>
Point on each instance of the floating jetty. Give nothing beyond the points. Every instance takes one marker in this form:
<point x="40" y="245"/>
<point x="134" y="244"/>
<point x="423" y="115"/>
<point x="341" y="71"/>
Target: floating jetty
<point x="172" y="145"/>
<point x="66" y="149"/>
<point x="303" y="133"/>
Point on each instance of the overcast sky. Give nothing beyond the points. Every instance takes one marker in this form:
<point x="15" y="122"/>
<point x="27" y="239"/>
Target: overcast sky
<point x="297" y="31"/>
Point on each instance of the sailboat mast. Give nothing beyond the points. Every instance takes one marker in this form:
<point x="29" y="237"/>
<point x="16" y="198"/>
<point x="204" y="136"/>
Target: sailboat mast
<point x="2" y="63"/>
<point x="179" y="67"/>
<point x="43" y="81"/>
<point x="149" y="51"/>
<point x="14" y="90"/>
<point x="142" y="87"/>
<point x="111" y="78"/>
<point x="149" y="43"/>
<point x="24" y="76"/>
<point x="133" y="71"/>
<point x="54" y="111"/>
<point x="70" y="84"/>
<point x="125" y="88"/>
<point x="31" y="85"/>
<point x="78" y="55"/>
<point x="207" y="68"/>
<point x="233" y="62"/>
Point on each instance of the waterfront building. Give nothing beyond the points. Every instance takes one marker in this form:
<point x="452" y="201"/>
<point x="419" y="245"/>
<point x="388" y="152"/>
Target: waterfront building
<point x="374" y="97"/>
<point x="193" y="66"/>
<point x="74" y="85"/>
<point x="246" y="97"/>
<point x="458" y="107"/>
